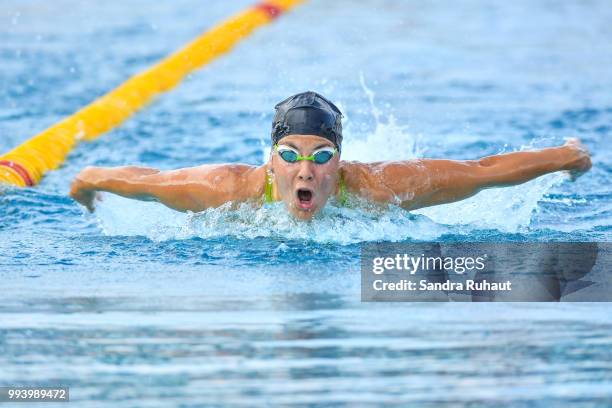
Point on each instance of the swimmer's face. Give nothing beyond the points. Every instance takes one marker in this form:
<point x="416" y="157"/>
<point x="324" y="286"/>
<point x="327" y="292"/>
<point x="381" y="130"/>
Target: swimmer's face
<point x="305" y="186"/>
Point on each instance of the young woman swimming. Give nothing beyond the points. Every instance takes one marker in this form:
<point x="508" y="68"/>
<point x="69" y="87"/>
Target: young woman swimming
<point x="304" y="170"/>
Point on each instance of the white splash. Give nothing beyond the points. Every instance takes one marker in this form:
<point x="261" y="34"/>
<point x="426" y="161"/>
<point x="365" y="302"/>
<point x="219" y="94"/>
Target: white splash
<point x="506" y="209"/>
<point x="389" y="141"/>
<point x="120" y="216"/>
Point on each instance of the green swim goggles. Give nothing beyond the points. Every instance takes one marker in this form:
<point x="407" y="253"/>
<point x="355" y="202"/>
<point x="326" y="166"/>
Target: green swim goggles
<point x="321" y="156"/>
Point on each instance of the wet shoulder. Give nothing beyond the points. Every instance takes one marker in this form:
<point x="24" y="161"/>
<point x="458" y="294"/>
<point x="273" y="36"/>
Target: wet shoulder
<point x="358" y="176"/>
<point x="241" y="181"/>
<point x="370" y="181"/>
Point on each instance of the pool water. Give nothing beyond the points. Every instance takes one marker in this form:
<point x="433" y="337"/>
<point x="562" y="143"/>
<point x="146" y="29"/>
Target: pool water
<point x="140" y="306"/>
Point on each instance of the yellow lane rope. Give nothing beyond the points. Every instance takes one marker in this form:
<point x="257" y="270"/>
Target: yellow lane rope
<point x="26" y="164"/>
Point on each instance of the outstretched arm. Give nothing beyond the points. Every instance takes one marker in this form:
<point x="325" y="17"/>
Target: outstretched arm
<point x="421" y="183"/>
<point x="190" y="189"/>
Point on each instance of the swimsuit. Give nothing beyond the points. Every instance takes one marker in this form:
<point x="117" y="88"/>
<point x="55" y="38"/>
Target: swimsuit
<point x="342" y="199"/>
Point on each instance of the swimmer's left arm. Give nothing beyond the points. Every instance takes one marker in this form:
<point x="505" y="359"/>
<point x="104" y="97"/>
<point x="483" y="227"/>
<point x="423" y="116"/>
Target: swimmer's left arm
<point x="422" y="183"/>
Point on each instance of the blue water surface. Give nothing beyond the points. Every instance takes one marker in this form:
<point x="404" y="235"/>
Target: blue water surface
<point x="140" y="306"/>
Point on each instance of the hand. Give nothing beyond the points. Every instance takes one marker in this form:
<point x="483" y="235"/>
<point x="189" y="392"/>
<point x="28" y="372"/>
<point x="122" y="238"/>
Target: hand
<point x="82" y="191"/>
<point x="579" y="158"/>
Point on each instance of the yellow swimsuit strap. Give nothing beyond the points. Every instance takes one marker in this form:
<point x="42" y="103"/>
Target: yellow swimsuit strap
<point x="268" y="197"/>
<point x="343" y="199"/>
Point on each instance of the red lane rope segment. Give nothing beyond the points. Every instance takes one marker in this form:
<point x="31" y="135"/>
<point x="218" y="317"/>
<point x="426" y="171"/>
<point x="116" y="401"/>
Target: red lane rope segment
<point x="270" y="9"/>
<point x="19" y="169"/>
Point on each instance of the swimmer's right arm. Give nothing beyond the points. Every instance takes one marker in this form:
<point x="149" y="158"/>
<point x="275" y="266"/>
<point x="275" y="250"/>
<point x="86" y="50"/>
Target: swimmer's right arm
<point x="191" y="189"/>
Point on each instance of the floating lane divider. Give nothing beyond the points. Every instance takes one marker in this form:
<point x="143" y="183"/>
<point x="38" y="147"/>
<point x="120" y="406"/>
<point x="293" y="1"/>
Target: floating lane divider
<point x="25" y="165"/>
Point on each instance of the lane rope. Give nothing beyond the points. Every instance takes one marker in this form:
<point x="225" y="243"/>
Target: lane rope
<point x="25" y="165"/>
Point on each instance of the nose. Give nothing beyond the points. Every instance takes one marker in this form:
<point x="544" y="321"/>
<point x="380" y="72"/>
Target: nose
<point x="306" y="173"/>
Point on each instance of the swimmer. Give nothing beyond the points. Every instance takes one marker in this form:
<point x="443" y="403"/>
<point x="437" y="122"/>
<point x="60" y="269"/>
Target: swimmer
<point x="304" y="170"/>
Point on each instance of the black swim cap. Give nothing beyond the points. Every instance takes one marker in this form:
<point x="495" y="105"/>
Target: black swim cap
<point x="307" y="113"/>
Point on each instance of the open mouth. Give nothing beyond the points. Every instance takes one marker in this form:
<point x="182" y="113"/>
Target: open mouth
<point x="304" y="197"/>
